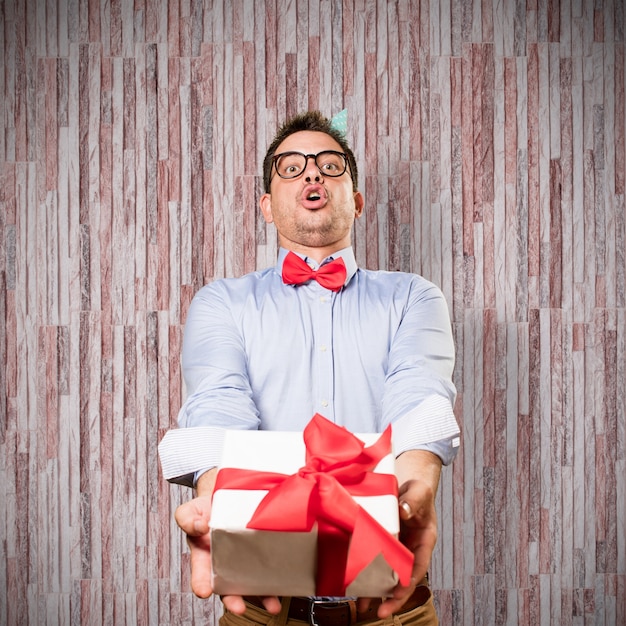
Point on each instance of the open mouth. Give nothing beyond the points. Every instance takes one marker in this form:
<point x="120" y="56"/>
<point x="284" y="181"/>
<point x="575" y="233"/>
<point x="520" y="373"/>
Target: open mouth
<point x="314" y="197"/>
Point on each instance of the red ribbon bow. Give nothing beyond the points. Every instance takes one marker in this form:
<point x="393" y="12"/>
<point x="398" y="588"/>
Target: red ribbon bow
<point x="331" y="275"/>
<point x="338" y="466"/>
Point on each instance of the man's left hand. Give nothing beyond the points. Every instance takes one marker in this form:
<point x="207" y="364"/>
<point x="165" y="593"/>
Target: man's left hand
<point x="418" y="474"/>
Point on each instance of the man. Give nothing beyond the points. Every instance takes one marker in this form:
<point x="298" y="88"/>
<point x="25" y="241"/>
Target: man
<point x="363" y="348"/>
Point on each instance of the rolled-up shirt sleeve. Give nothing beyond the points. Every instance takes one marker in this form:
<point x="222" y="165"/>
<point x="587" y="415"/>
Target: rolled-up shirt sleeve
<point x="218" y="390"/>
<point x="419" y="393"/>
<point x="214" y="366"/>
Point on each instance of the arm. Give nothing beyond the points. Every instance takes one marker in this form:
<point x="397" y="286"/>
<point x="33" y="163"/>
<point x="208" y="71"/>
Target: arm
<point x="418" y="474"/>
<point x="219" y="394"/>
<point x="419" y="392"/>
<point x="214" y="364"/>
<point x="419" y="396"/>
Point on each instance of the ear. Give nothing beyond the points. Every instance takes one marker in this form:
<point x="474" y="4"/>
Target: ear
<point x="359" y="203"/>
<point x="266" y="207"/>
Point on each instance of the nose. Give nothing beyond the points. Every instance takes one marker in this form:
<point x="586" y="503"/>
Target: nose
<point x="312" y="172"/>
<point x="316" y="179"/>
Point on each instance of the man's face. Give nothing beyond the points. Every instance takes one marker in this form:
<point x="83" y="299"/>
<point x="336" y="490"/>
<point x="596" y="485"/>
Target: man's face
<point x="312" y="210"/>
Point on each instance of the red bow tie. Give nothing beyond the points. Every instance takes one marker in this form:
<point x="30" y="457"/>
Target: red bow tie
<point x="330" y="275"/>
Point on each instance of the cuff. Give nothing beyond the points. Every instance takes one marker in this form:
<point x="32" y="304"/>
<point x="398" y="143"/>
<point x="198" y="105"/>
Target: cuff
<point x="186" y="452"/>
<point x="431" y="425"/>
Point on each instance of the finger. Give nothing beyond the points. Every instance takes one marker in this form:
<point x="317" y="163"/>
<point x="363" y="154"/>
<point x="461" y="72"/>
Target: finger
<point x="237" y="605"/>
<point x="421" y="541"/>
<point x="422" y="562"/>
<point x="416" y="514"/>
<point x="272" y="604"/>
<point x="200" y="559"/>
<point x="234" y="604"/>
<point x="394" y="604"/>
<point x="389" y="607"/>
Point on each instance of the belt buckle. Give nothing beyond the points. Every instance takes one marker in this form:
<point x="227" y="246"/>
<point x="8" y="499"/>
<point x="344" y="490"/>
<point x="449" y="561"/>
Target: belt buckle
<point x="312" y="604"/>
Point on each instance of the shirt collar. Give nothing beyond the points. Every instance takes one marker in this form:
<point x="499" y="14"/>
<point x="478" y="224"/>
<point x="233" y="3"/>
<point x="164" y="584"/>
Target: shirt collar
<point x="347" y="254"/>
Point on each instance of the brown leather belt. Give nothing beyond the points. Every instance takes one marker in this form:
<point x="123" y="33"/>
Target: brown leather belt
<point x="343" y="612"/>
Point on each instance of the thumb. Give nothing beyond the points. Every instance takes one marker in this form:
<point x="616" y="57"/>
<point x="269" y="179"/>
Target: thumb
<point x="406" y="512"/>
<point x="193" y="516"/>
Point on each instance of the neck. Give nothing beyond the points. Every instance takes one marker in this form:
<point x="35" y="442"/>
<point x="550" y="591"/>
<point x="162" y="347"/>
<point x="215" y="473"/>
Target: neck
<point x="317" y="253"/>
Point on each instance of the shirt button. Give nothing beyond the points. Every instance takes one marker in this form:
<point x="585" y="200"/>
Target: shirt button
<point x="323" y="299"/>
<point x="324" y="403"/>
<point x="323" y="348"/>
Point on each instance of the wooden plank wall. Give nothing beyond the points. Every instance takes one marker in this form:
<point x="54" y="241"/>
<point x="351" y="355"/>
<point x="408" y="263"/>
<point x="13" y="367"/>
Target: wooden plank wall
<point x="491" y="144"/>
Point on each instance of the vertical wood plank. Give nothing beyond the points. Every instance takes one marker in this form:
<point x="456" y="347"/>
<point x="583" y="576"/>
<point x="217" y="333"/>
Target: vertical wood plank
<point x="491" y="147"/>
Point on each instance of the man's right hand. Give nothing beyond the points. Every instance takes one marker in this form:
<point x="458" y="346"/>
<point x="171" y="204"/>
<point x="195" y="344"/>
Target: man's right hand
<point x="193" y="518"/>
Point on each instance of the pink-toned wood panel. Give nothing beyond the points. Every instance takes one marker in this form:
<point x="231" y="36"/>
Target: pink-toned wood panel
<point x="491" y="148"/>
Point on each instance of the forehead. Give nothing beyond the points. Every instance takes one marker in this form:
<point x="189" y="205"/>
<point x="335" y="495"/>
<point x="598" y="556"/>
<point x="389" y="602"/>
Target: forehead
<point x="308" y="142"/>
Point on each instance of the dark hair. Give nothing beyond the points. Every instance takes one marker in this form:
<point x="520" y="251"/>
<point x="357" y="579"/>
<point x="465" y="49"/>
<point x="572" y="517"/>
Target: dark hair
<point x="312" y="121"/>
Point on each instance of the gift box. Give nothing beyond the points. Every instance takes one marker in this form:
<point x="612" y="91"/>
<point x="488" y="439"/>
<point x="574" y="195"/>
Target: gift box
<point x="307" y="514"/>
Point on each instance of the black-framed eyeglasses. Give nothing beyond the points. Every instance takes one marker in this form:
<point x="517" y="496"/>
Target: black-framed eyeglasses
<point x="292" y="164"/>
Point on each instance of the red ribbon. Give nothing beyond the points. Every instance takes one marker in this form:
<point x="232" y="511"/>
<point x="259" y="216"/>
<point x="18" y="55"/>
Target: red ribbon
<point x="338" y="467"/>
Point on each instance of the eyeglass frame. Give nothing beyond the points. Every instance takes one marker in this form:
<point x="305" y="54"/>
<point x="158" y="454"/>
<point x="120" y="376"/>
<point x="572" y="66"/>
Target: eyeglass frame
<point x="346" y="163"/>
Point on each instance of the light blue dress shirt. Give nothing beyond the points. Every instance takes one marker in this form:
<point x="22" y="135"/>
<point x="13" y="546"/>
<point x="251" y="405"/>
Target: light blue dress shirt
<point x="260" y="354"/>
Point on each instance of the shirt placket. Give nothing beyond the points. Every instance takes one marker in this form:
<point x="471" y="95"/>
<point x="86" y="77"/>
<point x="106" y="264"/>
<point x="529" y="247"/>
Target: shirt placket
<point x="323" y="352"/>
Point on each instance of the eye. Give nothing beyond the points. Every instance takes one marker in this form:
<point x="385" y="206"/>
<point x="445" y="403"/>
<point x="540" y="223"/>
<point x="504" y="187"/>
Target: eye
<point x="331" y="163"/>
<point x="289" y="165"/>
